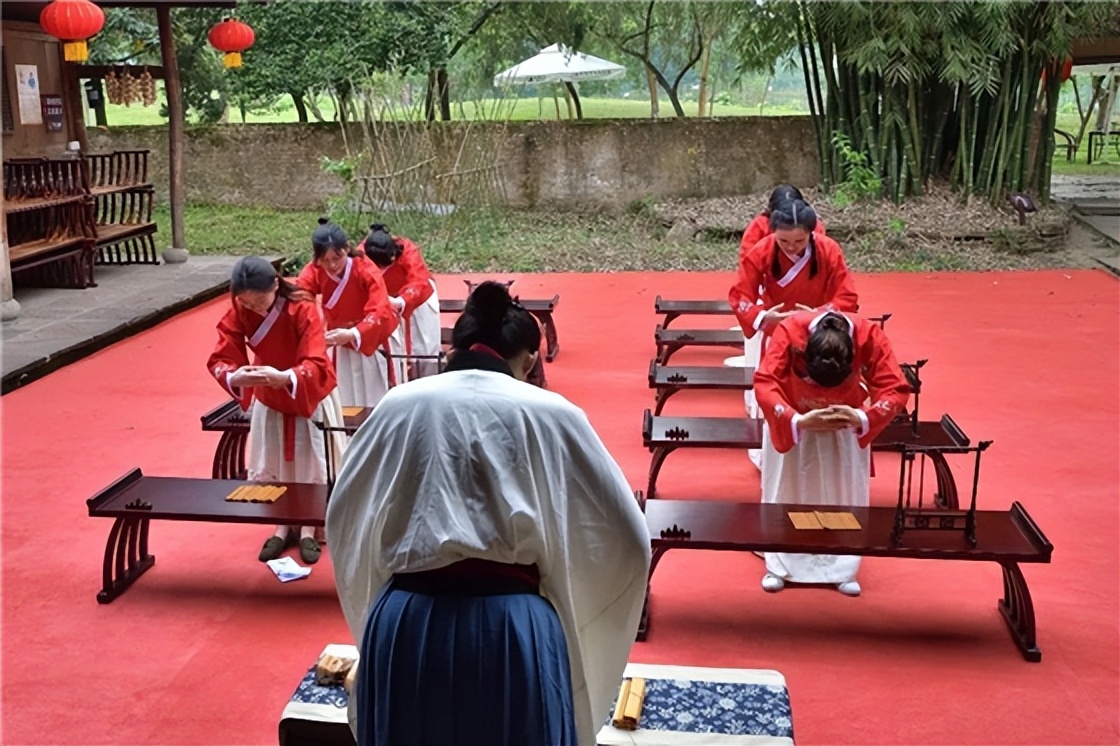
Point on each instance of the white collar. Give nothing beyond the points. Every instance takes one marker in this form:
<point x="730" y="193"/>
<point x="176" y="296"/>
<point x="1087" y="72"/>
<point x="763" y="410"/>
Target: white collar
<point x="817" y="320"/>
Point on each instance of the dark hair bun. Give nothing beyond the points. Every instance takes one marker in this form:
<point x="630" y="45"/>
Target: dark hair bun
<point x="835" y="322"/>
<point x="379" y="227"/>
<point x="490" y="301"/>
<point x="324" y="220"/>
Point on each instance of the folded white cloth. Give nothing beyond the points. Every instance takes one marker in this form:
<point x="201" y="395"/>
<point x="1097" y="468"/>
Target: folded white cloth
<point x="287" y="569"/>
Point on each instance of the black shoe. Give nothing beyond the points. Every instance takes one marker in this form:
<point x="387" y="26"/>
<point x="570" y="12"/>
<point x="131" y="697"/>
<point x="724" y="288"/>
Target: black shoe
<point x="273" y="548"/>
<point x="309" y="550"/>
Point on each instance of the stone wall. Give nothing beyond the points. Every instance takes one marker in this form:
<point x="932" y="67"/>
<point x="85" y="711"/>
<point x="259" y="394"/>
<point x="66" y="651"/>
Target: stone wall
<point x="589" y="165"/>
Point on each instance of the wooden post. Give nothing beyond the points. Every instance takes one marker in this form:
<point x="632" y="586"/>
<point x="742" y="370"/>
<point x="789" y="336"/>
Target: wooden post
<point x="9" y="306"/>
<point x="72" y="95"/>
<point x="177" y="252"/>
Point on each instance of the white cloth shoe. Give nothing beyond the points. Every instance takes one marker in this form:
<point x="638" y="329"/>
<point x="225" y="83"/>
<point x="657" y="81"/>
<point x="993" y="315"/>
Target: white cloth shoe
<point x="771" y="583"/>
<point x="851" y="588"/>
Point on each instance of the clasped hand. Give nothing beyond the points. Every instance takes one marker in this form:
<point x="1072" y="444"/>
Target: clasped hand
<point x="772" y="316"/>
<point x="834" y="417"/>
<point x="259" y="375"/>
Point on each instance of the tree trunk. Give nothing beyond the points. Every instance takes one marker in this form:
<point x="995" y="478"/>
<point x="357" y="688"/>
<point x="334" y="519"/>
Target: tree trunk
<point x="444" y="94"/>
<point x="702" y="98"/>
<point x="313" y="106"/>
<point x="301" y="109"/>
<point x="573" y="96"/>
<point x="430" y="97"/>
<point x="654" y="104"/>
<point x="174" y="93"/>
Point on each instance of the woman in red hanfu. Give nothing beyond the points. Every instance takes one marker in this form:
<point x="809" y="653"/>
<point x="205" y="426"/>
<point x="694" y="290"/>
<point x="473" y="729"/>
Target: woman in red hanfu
<point x="794" y="268"/>
<point x="828" y="385"/>
<point x="412" y="292"/>
<point x="289" y="386"/>
<point x="359" y="317"/>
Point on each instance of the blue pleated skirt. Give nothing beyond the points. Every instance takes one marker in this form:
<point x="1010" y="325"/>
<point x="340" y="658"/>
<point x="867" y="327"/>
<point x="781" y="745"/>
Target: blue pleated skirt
<point x="457" y="670"/>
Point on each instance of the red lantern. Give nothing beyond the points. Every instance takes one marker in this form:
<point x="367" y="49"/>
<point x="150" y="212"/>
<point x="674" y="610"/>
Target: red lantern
<point x="72" y="21"/>
<point x="232" y="37"/>
<point x="1067" y="69"/>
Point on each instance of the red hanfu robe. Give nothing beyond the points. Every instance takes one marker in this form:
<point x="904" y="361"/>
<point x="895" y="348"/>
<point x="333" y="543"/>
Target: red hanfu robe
<point x="408" y="277"/>
<point x="876" y="386"/>
<point x="758" y="229"/>
<point x="289" y="338"/>
<point x="831" y="289"/>
<point x="362" y="303"/>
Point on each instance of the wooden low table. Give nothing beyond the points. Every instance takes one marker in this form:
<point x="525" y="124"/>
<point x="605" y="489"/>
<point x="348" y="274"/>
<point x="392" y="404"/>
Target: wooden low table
<point x="667" y="380"/>
<point x="135" y="500"/>
<point x="233" y="424"/>
<point x="542" y="309"/>
<point x="673" y="309"/>
<point x="1007" y="538"/>
<point x="663" y="435"/>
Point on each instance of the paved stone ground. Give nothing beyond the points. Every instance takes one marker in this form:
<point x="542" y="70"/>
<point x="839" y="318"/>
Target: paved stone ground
<point x="1096" y="203"/>
<point x="56" y="327"/>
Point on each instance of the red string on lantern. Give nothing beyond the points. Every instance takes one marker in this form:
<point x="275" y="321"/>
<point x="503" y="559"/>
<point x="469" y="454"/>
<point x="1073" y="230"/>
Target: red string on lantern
<point x="73" y="22"/>
<point x="232" y="37"/>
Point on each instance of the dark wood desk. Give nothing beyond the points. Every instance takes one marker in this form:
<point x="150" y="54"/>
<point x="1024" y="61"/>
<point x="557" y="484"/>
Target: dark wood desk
<point x="233" y="424"/>
<point x="667" y="380"/>
<point x="1007" y="538"/>
<point x="135" y="500"/>
<point x="542" y="309"/>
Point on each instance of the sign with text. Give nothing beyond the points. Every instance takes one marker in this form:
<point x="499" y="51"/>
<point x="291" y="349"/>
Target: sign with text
<point x="52" y="112"/>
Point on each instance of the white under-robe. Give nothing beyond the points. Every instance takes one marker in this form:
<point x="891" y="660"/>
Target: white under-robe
<point x="266" y="444"/>
<point x="362" y="379"/>
<point x="824" y="468"/>
<point x="423" y="325"/>
<point x="475" y="464"/>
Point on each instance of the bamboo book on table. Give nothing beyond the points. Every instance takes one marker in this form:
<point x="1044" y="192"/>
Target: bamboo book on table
<point x="819" y="519"/>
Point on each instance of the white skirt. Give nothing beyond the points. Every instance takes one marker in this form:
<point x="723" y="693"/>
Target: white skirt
<point x="825" y="468"/>
<point x="266" y="444"/>
<point x="752" y="356"/>
<point x="362" y="379"/>
<point x="424" y="329"/>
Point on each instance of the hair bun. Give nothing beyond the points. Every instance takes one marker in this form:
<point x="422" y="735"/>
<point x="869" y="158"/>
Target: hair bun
<point x="490" y="300"/>
<point x="324" y="220"/>
<point x="835" y="322"/>
<point x="378" y="227"/>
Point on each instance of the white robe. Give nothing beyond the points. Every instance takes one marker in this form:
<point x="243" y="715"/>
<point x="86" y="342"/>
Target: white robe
<point x="475" y="464"/>
<point x="266" y="444"/>
<point x="824" y="468"/>
<point x="424" y="328"/>
<point x="362" y="379"/>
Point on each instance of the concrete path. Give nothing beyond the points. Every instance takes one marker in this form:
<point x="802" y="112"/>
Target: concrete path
<point x="1095" y="201"/>
<point x="56" y="327"/>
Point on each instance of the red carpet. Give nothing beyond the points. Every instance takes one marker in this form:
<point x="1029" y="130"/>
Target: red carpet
<point x="208" y="646"/>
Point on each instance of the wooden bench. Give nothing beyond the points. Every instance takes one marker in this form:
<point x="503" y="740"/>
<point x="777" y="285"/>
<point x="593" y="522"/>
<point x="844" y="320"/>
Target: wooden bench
<point x="664" y="435"/>
<point x="134" y="500"/>
<point x="671" y="309"/>
<point x="123" y="199"/>
<point x="542" y="309"/>
<point x="667" y="380"/>
<point x="49" y="218"/>
<point x="233" y="424"/>
<point x="668" y="341"/>
<point x="1007" y="538"/>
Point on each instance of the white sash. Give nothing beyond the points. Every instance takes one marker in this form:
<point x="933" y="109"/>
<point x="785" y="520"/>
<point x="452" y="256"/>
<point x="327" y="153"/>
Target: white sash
<point x="266" y="325"/>
<point x="341" y="284"/>
<point x="797" y="266"/>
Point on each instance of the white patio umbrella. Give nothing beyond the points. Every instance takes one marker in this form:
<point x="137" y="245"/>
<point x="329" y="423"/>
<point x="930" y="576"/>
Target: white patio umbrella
<point x="559" y="64"/>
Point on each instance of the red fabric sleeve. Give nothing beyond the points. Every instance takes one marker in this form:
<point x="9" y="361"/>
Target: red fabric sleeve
<point x="230" y="354"/>
<point x="378" y="320"/>
<point x="772" y="371"/>
<point x="308" y="279"/>
<point x="886" y="385"/>
<point x="743" y="297"/>
<point x="314" y="371"/>
<point x="417" y="286"/>
<point x="841" y="288"/>
<point x="758" y="229"/>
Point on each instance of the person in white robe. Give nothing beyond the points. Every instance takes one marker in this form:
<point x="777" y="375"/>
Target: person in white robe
<point x="475" y="477"/>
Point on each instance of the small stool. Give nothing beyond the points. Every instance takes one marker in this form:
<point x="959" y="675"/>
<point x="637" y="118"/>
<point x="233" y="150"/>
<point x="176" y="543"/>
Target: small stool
<point x="316" y="715"/>
<point x="717" y="706"/>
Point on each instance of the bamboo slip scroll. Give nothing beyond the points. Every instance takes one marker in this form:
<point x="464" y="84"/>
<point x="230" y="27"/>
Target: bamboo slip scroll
<point x="352" y="411"/>
<point x="256" y="493"/>
<point x="628" y="709"/>
<point x="817" y="519"/>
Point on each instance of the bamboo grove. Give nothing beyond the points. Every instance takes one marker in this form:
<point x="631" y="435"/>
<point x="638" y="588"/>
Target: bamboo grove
<point x="964" y="91"/>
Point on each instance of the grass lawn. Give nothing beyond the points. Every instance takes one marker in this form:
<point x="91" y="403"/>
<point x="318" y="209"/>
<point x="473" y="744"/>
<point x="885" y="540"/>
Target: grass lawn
<point x="524" y="109"/>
